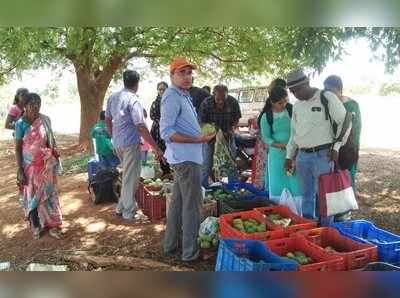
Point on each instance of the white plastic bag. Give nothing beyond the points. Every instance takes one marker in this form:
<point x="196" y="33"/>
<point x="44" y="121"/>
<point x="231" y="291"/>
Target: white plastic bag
<point x="209" y="227"/>
<point x="287" y="199"/>
<point x="147" y="172"/>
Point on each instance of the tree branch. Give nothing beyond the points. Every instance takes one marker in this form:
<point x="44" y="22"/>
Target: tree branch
<point x="10" y="69"/>
<point x="140" y="55"/>
<point x="220" y="59"/>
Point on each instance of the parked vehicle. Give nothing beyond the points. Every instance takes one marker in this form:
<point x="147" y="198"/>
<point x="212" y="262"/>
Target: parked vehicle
<point x="251" y="101"/>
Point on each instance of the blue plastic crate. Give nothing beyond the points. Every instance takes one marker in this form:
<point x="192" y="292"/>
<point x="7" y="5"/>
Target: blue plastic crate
<point x="251" y="188"/>
<point x="250" y="255"/>
<point x="364" y="231"/>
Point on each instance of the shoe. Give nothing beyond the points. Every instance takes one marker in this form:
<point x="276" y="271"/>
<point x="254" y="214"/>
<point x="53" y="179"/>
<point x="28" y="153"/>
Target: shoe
<point x="55" y="233"/>
<point x="140" y="217"/>
<point x="172" y="253"/>
<point x="36" y="233"/>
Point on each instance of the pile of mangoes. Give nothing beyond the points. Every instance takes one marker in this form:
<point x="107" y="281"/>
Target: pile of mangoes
<point x="279" y="219"/>
<point x="300" y="257"/>
<point x="207" y="241"/>
<point x="248" y="226"/>
<point x="220" y="195"/>
<point x="155" y="184"/>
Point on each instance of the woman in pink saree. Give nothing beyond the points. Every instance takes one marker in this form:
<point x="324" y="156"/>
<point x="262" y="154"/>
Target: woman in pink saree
<point x="38" y="163"/>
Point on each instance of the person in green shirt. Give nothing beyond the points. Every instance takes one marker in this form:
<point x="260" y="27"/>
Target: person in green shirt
<point x="104" y="147"/>
<point x="334" y="83"/>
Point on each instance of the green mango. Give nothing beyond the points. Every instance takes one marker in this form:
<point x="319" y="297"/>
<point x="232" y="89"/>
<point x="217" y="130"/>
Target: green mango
<point x="208" y="129"/>
<point x="205" y="244"/>
<point x="303" y="260"/>
<point x="299" y="254"/>
<point x="262" y="228"/>
<point x="207" y="238"/>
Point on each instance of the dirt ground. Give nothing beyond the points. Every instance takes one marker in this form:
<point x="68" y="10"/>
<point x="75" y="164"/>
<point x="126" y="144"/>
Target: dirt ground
<point x="96" y="231"/>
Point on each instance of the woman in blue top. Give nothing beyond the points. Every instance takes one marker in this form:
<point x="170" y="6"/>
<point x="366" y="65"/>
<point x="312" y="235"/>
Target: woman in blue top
<point x="275" y="131"/>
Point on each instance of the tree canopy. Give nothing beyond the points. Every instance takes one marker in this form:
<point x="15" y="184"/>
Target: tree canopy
<point x="98" y="53"/>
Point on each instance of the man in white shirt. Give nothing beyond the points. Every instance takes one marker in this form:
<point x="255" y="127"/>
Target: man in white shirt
<point x="312" y="138"/>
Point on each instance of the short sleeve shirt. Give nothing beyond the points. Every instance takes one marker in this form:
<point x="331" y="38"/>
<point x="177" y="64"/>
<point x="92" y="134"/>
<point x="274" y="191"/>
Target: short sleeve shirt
<point x="126" y="111"/>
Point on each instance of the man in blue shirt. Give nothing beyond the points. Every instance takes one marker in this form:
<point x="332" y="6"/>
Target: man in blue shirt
<point x="126" y="124"/>
<point x="180" y="129"/>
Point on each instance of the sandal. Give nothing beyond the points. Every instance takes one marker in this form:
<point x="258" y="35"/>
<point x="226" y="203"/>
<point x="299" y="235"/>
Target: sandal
<point x="55" y="233"/>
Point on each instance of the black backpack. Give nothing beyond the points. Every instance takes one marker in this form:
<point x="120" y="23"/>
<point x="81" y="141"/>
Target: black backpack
<point x="106" y="186"/>
<point x="348" y="153"/>
<point x="270" y="115"/>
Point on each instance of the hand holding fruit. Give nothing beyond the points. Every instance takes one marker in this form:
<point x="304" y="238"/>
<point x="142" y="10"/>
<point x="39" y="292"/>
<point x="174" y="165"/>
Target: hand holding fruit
<point x="206" y="138"/>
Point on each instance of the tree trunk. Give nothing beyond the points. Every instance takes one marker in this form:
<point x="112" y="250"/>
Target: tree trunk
<point x="92" y="89"/>
<point x="91" y="105"/>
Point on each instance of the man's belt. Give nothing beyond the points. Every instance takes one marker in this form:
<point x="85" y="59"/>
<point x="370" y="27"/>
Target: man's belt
<point x="316" y="149"/>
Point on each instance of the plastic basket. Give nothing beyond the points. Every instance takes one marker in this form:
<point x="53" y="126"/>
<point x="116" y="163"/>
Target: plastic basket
<point x="322" y="261"/>
<point x="364" y="231"/>
<point x="355" y="254"/>
<point x="250" y="255"/>
<point x="229" y="232"/>
<point x="154" y="205"/>
<point x="247" y="186"/>
<point x="298" y="223"/>
<point x="380" y="266"/>
<point x="232" y="206"/>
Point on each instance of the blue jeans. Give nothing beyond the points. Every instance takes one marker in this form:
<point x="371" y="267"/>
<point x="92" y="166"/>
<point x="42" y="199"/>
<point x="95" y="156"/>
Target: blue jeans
<point x="109" y="161"/>
<point x="309" y="167"/>
<point x="208" y="159"/>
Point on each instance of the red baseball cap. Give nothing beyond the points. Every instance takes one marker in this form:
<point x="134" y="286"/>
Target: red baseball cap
<point x="179" y="63"/>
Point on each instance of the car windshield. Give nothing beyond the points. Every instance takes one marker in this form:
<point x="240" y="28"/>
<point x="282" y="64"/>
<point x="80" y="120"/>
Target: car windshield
<point x="246" y="96"/>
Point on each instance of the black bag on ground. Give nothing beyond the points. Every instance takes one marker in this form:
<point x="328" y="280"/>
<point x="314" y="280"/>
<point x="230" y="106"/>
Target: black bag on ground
<point x="106" y="186"/>
<point x="348" y="153"/>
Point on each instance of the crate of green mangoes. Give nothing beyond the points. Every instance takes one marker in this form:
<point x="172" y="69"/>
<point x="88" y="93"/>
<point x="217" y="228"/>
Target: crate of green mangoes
<point x="307" y="255"/>
<point x="283" y="218"/>
<point x="247" y="225"/>
<point x="155" y="184"/>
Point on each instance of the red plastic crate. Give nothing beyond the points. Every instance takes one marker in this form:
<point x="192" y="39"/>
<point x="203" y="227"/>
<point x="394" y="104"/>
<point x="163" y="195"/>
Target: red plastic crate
<point x="355" y="254"/>
<point x="299" y="223"/>
<point x="229" y="232"/>
<point x="154" y="205"/>
<point x="322" y="261"/>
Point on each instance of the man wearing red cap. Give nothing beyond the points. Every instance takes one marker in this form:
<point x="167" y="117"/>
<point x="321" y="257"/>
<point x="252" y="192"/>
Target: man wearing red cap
<point x="180" y="130"/>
